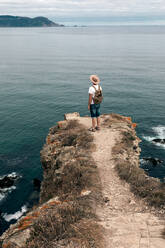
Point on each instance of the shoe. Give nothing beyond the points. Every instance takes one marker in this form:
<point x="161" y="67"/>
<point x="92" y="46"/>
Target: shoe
<point x="97" y="128"/>
<point x="92" y="129"/>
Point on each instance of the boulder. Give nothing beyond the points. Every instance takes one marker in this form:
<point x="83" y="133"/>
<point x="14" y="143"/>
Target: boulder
<point x="72" y="116"/>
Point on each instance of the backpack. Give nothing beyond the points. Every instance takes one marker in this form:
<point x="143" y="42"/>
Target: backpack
<point x="98" y="95"/>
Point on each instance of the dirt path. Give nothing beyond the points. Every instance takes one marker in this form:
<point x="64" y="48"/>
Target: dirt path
<point x="126" y="220"/>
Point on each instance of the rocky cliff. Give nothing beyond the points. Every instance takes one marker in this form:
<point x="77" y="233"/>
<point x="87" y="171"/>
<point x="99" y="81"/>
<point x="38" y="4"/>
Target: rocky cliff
<point x="83" y="201"/>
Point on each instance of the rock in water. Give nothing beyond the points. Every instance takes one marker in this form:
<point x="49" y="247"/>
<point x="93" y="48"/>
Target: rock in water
<point x="6" y="182"/>
<point x="154" y="161"/>
<point x="36" y="183"/>
<point x="161" y="141"/>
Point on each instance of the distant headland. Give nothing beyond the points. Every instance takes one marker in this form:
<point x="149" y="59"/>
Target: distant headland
<point x="18" y="21"/>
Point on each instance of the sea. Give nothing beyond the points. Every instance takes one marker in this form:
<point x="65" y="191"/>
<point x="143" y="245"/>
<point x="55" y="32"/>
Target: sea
<point x="44" y="73"/>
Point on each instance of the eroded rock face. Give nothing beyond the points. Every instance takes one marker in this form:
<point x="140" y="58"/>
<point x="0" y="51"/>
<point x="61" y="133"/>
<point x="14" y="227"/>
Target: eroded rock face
<point x="18" y="233"/>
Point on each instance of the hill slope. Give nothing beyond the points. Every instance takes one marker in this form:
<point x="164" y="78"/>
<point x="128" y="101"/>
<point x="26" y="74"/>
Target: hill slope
<point x="18" y="21"/>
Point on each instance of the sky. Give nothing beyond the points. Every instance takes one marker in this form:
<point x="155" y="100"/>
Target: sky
<point x="145" y="11"/>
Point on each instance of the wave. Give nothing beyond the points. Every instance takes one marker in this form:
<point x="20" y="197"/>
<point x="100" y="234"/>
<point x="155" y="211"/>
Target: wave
<point x="159" y="134"/>
<point x="16" y="215"/>
<point x="160" y="131"/>
<point x="13" y="175"/>
<point x="2" y="196"/>
<point x="143" y="162"/>
<point x="149" y="138"/>
<point x="159" y="144"/>
<point x="5" y="191"/>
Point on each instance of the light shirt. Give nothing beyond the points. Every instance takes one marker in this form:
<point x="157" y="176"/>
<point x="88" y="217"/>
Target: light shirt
<point x="92" y="91"/>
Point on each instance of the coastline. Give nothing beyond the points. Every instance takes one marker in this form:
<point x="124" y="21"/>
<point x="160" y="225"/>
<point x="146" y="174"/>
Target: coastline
<point x="70" y="144"/>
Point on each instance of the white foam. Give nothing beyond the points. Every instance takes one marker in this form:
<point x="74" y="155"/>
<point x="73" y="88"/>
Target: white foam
<point x="160" y="134"/>
<point x="5" y="191"/>
<point x="143" y="161"/>
<point x="159" y="144"/>
<point x="148" y="138"/>
<point x="16" y="215"/>
<point x="8" y="189"/>
<point x="13" y="175"/>
<point x="2" y="196"/>
<point x="160" y="131"/>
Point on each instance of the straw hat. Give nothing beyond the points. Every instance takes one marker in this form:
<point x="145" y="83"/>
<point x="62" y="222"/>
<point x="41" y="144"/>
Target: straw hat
<point x="94" y="79"/>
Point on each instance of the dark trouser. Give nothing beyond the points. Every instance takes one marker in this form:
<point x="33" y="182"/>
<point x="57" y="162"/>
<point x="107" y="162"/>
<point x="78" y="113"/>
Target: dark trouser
<point x="95" y="110"/>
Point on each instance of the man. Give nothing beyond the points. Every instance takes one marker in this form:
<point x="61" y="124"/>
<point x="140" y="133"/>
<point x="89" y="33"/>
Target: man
<point x="95" y="98"/>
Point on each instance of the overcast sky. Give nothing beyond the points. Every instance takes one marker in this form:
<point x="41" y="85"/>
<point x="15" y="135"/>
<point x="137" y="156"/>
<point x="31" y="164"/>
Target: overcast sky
<point x="83" y="8"/>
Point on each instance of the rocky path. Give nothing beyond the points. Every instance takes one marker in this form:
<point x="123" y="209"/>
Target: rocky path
<point x="126" y="220"/>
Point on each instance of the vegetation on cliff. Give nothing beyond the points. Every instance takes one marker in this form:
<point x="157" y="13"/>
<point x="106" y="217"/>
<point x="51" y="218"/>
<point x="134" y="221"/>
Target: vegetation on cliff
<point x="149" y="188"/>
<point x="70" y="175"/>
<point x="18" y="21"/>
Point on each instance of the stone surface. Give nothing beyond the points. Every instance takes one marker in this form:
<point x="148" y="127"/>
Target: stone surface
<point x="62" y="124"/>
<point x="72" y="116"/>
<point x="18" y="239"/>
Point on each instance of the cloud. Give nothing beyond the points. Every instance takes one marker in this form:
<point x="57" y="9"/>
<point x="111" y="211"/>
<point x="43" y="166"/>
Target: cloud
<point x="82" y="8"/>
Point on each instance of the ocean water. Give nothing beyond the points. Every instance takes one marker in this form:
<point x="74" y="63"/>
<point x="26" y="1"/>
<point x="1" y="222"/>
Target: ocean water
<point x="44" y="73"/>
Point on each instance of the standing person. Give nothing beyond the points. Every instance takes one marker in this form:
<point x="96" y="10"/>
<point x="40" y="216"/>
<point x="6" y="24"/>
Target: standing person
<point x="95" y="98"/>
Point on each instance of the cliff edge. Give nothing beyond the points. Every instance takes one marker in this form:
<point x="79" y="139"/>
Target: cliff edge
<point x="94" y="193"/>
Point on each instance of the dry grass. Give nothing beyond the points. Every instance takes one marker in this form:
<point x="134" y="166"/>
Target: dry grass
<point x="116" y="118"/>
<point x="63" y="226"/>
<point x="128" y="138"/>
<point x="126" y="144"/>
<point x="149" y="188"/>
<point x="73" y="124"/>
<point x="69" y="169"/>
<point x="7" y="245"/>
<point x="142" y="185"/>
